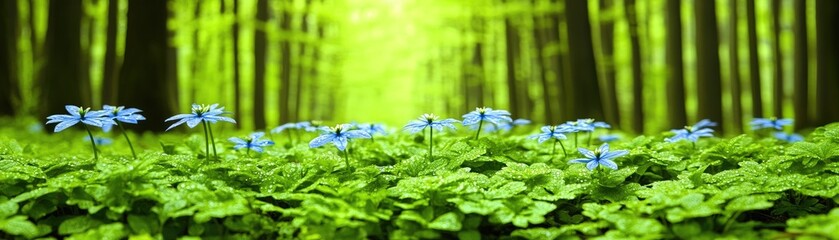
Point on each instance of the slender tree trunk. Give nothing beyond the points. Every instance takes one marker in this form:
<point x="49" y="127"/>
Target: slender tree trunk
<point x="303" y="49"/>
<point x="709" y="89"/>
<point x="237" y="82"/>
<point x="110" y="75"/>
<point x="541" y="39"/>
<point x="801" y="58"/>
<point x="197" y="56"/>
<point x="637" y="72"/>
<point x="259" y="65"/>
<point x="778" y="88"/>
<point x="734" y="65"/>
<point x="285" y="66"/>
<point x="171" y="85"/>
<point x="676" y="113"/>
<point x="611" y="109"/>
<point x="61" y="81"/>
<point x="84" y="59"/>
<point x="143" y="77"/>
<point x="9" y="91"/>
<point x="827" y="61"/>
<point x="557" y="62"/>
<point x="754" y="64"/>
<point x="477" y="86"/>
<point x="583" y="69"/>
<point x="512" y="56"/>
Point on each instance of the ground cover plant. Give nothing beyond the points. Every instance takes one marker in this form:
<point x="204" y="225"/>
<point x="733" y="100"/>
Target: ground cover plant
<point x="497" y="180"/>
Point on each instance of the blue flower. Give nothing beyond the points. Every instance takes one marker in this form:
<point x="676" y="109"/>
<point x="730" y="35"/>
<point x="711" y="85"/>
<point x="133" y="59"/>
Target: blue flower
<point x="549" y="132"/>
<point x="373" y="128"/>
<point x="252" y="142"/>
<point x="608" y="137"/>
<point x="429" y="120"/>
<point x="693" y="133"/>
<point x="83" y="115"/>
<point x="788" y="137"/>
<point x="314" y="126"/>
<point x="506" y="126"/>
<point x="297" y="125"/>
<point x="100" y="141"/>
<point x="704" y="123"/>
<point x="584" y="125"/>
<point x="121" y="114"/>
<point x="481" y="114"/>
<point x="77" y="114"/>
<point x="600" y="156"/>
<point x="205" y="113"/>
<point x="339" y="136"/>
<point x="777" y="124"/>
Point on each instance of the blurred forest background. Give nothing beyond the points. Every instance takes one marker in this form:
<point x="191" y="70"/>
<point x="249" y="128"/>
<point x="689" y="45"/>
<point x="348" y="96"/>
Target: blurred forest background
<point x="642" y="65"/>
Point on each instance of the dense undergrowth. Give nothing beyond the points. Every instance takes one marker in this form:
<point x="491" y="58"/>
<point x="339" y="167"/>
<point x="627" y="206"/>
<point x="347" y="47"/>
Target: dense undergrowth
<point x="501" y="186"/>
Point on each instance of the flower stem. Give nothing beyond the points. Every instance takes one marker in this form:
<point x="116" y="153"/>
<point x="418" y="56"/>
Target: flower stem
<point x="212" y="141"/>
<point x="563" y="148"/>
<point x="553" y="151"/>
<point x="576" y="139"/>
<point x="589" y="137"/>
<point x="480" y="125"/>
<point x="430" y="142"/>
<point x="127" y="140"/>
<point x="347" y="157"/>
<point x="207" y="140"/>
<point x="290" y="138"/>
<point x="92" y="142"/>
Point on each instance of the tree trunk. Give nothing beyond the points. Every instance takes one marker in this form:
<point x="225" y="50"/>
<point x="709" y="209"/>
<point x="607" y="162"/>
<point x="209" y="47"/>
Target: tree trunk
<point x="172" y="65"/>
<point x="476" y="83"/>
<point x="285" y="65"/>
<point x="84" y="59"/>
<point x="827" y="61"/>
<point x="259" y="48"/>
<point x="734" y="65"/>
<point x="778" y="88"/>
<point x="61" y="82"/>
<point x="143" y="77"/>
<point x="196" y="54"/>
<point x="542" y="38"/>
<point x="637" y="72"/>
<point x="303" y="48"/>
<point x="556" y="62"/>
<point x="110" y="75"/>
<point x="583" y="69"/>
<point x="611" y="109"/>
<point x="754" y="64"/>
<point x="512" y="55"/>
<point x="237" y="91"/>
<point x="709" y="89"/>
<point x="9" y="91"/>
<point x="676" y="113"/>
<point x="800" y="77"/>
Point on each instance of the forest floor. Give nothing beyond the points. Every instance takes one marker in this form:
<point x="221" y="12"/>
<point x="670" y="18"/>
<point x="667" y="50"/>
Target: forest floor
<point x="501" y="186"/>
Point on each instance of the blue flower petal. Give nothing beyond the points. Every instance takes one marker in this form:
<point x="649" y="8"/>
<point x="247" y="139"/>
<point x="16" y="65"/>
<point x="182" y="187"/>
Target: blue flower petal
<point x="321" y="140"/>
<point x="65" y="124"/>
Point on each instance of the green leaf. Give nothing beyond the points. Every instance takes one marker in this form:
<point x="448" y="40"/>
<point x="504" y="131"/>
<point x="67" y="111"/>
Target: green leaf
<point x="77" y="225"/>
<point x="112" y="231"/>
<point x="19" y="225"/>
<point x="507" y="190"/>
<point x="541" y="233"/>
<point x="8" y="208"/>
<point x="450" y="221"/>
<point x="752" y="202"/>
<point x="140" y="224"/>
